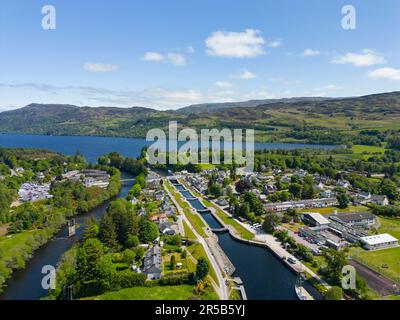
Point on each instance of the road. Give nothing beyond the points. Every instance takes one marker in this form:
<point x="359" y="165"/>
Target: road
<point x="222" y="290"/>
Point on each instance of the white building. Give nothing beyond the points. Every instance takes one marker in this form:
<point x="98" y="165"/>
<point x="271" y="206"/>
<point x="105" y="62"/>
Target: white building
<point x="379" y="241"/>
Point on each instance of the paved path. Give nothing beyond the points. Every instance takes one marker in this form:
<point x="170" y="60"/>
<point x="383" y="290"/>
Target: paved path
<point x="222" y="290"/>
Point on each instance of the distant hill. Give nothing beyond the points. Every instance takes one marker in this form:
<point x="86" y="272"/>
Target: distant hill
<point x="210" y="107"/>
<point x="333" y="120"/>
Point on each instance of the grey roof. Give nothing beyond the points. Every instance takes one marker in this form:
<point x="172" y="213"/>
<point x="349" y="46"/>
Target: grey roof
<point x="354" y="216"/>
<point x="152" y="260"/>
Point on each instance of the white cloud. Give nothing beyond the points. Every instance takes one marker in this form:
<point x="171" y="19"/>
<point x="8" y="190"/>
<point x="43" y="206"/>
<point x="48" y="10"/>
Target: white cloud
<point x="385" y="73"/>
<point x="224" y="84"/>
<point x="153" y="56"/>
<point x="244" y="74"/>
<point x="365" y="58"/>
<point x="174" y="58"/>
<point x="246" y="44"/>
<point x="310" y="53"/>
<point x="100" y="67"/>
<point x="332" y="87"/>
<point x="275" y="43"/>
<point x="190" y="49"/>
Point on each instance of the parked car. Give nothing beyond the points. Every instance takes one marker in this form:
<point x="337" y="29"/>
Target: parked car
<point x="292" y="260"/>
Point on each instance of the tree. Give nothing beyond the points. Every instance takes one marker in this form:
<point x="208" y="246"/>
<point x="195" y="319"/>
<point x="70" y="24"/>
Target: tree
<point x="215" y="190"/>
<point x="148" y="231"/>
<point x="107" y="233"/>
<point x="270" y="223"/>
<point x="184" y="254"/>
<point x="202" y="269"/>
<point x="91" y="229"/>
<point x="173" y="262"/>
<point x="295" y="190"/>
<point x="243" y="186"/>
<point x="335" y="260"/>
<point x="389" y="188"/>
<point x="308" y="191"/>
<point x="343" y="200"/>
<point x="88" y="258"/>
<point x="133" y="241"/>
<point x="136" y="190"/>
<point x="334" y="293"/>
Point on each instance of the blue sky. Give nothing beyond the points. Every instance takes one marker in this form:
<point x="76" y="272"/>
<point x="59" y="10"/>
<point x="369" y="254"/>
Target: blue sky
<point x="168" y="53"/>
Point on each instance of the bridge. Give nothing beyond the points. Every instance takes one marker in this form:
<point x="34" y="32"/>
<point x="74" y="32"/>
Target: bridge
<point x="127" y="180"/>
<point x="219" y="230"/>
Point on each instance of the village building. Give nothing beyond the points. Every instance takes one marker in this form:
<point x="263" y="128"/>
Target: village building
<point x="152" y="263"/>
<point x="379" y="241"/>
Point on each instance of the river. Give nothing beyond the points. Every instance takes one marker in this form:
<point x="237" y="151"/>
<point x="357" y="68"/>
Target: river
<point x="25" y="284"/>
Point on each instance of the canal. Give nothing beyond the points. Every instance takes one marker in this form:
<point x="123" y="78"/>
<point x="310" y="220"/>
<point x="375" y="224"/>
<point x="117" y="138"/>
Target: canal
<point x="264" y="276"/>
<point x="25" y="284"/>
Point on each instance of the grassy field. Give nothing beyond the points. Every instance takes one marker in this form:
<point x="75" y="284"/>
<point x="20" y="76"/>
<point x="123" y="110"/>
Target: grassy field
<point x="197" y="251"/>
<point x="391" y="226"/>
<point x="242" y="231"/>
<point x="182" y="292"/>
<point x="385" y="261"/>
<point x="188" y="232"/>
<point x="167" y="263"/>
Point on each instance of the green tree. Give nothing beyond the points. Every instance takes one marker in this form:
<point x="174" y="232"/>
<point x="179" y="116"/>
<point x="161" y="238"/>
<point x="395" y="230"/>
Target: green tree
<point x="335" y="261"/>
<point x="91" y="229"/>
<point x="343" y="200"/>
<point x="173" y="262"/>
<point x="271" y="221"/>
<point x="202" y="269"/>
<point x="88" y="259"/>
<point x="107" y="233"/>
<point x="148" y="231"/>
<point x="334" y="293"/>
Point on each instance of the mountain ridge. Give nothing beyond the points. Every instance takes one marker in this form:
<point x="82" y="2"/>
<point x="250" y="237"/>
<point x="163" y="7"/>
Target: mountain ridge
<point x="315" y="121"/>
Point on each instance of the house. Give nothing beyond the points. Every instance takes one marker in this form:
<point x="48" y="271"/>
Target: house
<point x="222" y="202"/>
<point x="166" y="228"/>
<point x="363" y="219"/>
<point x="134" y="201"/>
<point x="343" y="183"/>
<point x="380" y="200"/>
<point x="312" y="203"/>
<point x="326" y="193"/>
<point x="152" y="263"/>
<point x="379" y="241"/>
<point x="315" y="219"/>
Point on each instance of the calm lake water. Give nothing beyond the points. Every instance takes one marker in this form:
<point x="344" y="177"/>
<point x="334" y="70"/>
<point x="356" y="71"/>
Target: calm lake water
<point x="94" y="147"/>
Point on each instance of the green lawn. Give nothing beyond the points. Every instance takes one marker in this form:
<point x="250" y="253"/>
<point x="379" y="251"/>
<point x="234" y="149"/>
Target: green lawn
<point x="385" y="261"/>
<point x="188" y="232"/>
<point x="182" y="292"/>
<point x="391" y="226"/>
<point x="366" y="152"/>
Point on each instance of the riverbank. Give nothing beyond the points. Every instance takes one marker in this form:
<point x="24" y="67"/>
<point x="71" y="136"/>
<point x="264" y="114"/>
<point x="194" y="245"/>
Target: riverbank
<point x="25" y="283"/>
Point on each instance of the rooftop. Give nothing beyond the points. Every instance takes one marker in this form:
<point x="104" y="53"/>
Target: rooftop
<point x="378" y="239"/>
